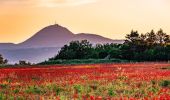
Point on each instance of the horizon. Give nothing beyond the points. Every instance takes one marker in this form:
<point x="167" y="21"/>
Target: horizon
<point x="111" y="19"/>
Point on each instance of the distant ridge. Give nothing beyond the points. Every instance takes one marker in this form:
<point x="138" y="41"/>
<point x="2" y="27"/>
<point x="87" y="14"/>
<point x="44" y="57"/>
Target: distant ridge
<point x="46" y="43"/>
<point x="96" y="39"/>
<point x="7" y="45"/>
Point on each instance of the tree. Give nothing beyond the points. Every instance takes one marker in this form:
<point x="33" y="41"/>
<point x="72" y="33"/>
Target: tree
<point x="2" y="60"/>
<point x="132" y="38"/>
<point x="66" y="53"/>
<point x="149" y="46"/>
<point x="76" y="50"/>
<point x="134" y="43"/>
<point x="161" y="37"/>
<point x="167" y="40"/>
<point x="151" y="38"/>
<point x="135" y="40"/>
<point x="22" y="62"/>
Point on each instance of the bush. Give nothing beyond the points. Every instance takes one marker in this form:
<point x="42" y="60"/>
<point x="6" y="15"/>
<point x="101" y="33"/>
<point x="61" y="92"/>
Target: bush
<point x="165" y="83"/>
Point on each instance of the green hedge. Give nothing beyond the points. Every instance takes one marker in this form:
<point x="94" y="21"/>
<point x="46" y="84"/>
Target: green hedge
<point x="84" y="61"/>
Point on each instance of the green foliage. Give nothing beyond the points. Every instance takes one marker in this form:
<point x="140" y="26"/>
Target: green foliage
<point x="2" y="60"/>
<point x="146" y="47"/>
<point x="78" y="88"/>
<point x="3" y="86"/>
<point x="57" y="89"/>
<point x="83" y="61"/>
<point x="111" y="92"/>
<point x="16" y="91"/>
<point x="34" y="90"/>
<point x="165" y="83"/>
<point x="76" y="50"/>
<point x="153" y="89"/>
<point x="2" y="96"/>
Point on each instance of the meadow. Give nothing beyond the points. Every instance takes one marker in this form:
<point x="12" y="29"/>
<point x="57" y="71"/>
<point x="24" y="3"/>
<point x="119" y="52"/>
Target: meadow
<point x="127" y="81"/>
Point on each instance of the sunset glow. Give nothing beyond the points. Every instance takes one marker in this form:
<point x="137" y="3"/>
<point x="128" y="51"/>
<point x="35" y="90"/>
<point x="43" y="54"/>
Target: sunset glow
<point x="20" y="19"/>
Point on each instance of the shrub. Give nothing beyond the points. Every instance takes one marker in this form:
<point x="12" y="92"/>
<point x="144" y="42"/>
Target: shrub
<point x="165" y="83"/>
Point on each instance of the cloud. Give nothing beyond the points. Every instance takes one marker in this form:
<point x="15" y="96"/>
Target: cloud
<point x="61" y="3"/>
<point x="47" y="3"/>
<point x="19" y="2"/>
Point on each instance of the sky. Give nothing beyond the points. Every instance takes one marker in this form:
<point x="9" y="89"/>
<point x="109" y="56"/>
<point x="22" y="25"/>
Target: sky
<point x="20" y="19"/>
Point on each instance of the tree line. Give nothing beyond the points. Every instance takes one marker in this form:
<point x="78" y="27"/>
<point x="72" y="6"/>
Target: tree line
<point x="151" y="46"/>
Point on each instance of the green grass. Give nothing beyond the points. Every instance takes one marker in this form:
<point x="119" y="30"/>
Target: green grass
<point x="165" y="83"/>
<point x="83" y="61"/>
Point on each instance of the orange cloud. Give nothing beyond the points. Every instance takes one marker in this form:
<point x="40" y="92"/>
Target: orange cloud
<point x="59" y="3"/>
<point x="47" y="3"/>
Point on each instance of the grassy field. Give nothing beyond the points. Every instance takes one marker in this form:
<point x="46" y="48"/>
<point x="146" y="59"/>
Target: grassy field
<point x="128" y="81"/>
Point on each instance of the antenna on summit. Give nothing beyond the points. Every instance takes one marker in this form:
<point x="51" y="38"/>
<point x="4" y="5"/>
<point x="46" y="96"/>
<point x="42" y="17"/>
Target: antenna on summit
<point x="55" y="23"/>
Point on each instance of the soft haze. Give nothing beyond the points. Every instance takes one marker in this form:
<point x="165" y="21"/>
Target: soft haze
<point x="20" y="19"/>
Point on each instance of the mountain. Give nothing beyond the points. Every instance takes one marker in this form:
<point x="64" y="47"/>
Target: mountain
<point x="46" y="43"/>
<point x="58" y="36"/>
<point x="51" y="36"/>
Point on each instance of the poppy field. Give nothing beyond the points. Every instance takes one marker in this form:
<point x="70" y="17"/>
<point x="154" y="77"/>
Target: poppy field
<point x="131" y="81"/>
